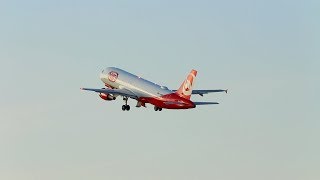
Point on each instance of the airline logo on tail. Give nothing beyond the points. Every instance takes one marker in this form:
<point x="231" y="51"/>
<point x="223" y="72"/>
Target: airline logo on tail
<point x="185" y="90"/>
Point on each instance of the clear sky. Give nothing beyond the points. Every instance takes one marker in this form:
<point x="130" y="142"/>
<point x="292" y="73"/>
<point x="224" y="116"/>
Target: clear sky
<point x="266" y="52"/>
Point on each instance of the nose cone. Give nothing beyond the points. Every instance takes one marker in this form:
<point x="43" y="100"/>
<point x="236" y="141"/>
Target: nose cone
<point x="103" y="74"/>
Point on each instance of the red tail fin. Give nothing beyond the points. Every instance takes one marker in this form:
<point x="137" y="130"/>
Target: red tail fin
<point x="185" y="89"/>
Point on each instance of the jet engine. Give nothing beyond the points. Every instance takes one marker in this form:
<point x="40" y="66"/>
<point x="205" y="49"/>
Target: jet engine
<point x="107" y="97"/>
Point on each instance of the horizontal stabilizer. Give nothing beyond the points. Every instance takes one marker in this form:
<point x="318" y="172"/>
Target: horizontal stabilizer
<point x="205" y="103"/>
<point x="207" y="91"/>
<point x="202" y="92"/>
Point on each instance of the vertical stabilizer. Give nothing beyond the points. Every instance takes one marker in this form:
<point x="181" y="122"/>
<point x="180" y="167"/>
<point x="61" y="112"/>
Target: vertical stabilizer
<point x="185" y="89"/>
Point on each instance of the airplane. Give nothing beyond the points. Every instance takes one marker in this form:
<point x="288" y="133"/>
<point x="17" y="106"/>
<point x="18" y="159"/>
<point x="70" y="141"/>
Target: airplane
<point x="124" y="84"/>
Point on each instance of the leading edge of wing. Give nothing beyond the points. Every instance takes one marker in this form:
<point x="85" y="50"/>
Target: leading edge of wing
<point x="122" y="92"/>
<point x="205" y="103"/>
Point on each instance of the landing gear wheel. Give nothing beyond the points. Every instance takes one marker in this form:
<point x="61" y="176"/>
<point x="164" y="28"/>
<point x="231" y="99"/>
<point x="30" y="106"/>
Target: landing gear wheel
<point x="127" y="107"/>
<point x="157" y="108"/>
<point x="124" y="107"/>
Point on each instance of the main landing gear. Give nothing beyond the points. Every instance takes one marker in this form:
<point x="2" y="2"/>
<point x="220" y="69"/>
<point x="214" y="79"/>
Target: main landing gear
<point x="157" y="108"/>
<point x="125" y="107"/>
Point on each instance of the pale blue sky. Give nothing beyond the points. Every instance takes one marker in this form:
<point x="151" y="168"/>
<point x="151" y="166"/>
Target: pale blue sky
<point x="265" y="52"/>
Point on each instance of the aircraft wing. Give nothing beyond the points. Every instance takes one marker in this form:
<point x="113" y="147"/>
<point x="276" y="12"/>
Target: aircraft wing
<point x="121" y="92"/>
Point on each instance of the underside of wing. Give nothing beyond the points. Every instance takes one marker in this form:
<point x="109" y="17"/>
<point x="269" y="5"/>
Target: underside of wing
<point x="121" y="92"/>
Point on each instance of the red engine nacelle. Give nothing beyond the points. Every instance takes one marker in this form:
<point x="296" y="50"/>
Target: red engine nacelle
<point x="107" y="97"/>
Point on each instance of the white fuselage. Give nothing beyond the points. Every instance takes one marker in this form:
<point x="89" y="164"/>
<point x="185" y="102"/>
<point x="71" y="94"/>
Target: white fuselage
<point x="137" y="85"/>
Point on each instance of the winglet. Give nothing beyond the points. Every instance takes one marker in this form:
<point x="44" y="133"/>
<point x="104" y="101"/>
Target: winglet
<point x="226" y="91"/>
